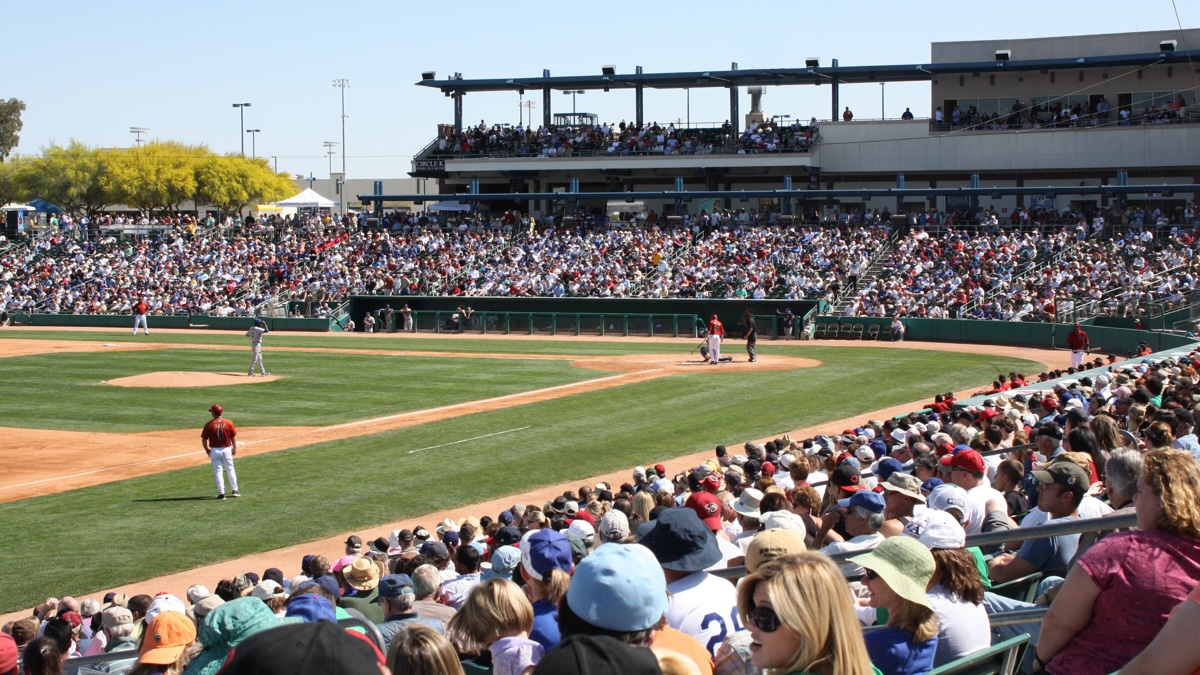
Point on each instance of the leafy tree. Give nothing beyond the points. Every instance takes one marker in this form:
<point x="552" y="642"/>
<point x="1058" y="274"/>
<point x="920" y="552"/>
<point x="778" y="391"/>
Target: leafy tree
<point x="233" y="183"/>
<point x="157" y="176"/>
<point x="10" y="125"/>
<point x="8" y="190"/>
<point x="71" y="177"/>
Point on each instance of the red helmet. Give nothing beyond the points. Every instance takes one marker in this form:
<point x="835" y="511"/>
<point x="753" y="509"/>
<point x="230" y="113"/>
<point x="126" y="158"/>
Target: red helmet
<point x="216" y="410"/>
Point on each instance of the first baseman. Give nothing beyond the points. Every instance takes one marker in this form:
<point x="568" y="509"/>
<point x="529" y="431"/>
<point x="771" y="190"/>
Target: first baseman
<point x="219" y="439"/>
<point x="255" y="334"/>
<point x="139" y="311"/>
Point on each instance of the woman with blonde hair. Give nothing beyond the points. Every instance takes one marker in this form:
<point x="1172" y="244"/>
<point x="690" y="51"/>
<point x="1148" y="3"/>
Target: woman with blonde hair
<point x="497" y="617"/>
<point x="897" y="572"/>
<point x="801" y="619"/>
<point x="643" y="504"/>
<point x="421" y="650"/>
<point x="1128" y="583"/>
<point x="1108" y="434"/>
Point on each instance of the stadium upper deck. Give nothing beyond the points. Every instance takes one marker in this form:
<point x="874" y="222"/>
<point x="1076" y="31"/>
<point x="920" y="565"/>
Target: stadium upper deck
<point x="1073" y="110"/>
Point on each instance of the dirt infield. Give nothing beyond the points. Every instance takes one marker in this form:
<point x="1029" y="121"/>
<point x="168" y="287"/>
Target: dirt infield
<point x="111" y="457"/>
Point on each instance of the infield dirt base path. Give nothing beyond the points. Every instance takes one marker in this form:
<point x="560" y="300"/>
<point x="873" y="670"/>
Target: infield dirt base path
<point x="128" y="455"/>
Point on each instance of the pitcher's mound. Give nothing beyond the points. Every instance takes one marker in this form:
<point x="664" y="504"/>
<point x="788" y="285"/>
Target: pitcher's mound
<point x="183" y="378"/>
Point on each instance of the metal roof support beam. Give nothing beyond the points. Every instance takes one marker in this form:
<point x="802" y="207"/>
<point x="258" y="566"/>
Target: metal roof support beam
<point x="546" y="101"/>
<point x="457" y="96"/>
<point x="639" y="97"/>
<point x="734" y="117"/>
<point x="836" y="114"/>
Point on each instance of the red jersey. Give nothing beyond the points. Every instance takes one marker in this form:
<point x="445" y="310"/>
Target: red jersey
<point x="715" y="327"/>
<point x="141" y="308"/>
<point x="219" y="433"/>
<point x="1077" y="339"/>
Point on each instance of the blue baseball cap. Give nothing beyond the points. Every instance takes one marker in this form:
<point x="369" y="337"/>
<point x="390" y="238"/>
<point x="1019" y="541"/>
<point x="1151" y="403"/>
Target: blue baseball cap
<point x="888" y="466"/>
<point x="504" y="562"/>
<point x="619" y="587"/>
<point x="871" y="501"/>
<point x="931" y="484"/>
<point x="310" y="608"/>
<point x="543" y="551"/>
<point x="393" y="585"/>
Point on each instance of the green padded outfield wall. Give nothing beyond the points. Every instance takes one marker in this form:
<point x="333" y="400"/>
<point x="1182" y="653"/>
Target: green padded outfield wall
<point x="1119" y="341"/>
<point x="729" y="310"/>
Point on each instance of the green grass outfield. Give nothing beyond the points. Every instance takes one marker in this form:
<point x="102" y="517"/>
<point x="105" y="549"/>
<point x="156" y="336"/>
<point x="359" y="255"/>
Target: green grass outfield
<point x="91" y="539"/>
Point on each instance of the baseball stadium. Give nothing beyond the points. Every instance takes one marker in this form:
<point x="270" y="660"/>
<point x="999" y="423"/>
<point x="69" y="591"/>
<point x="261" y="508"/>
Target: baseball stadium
<point x="652" y="322"/>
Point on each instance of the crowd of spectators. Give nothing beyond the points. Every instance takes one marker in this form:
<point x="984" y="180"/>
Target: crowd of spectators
<point x="1059" y="114"/>
<point x="1032" y="275"/>
<point x="627" y="576"/>
<point x="483" y="140"/>
<point x="945" y="265"/>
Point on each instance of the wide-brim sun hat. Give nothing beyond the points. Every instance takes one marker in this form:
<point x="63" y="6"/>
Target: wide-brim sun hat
<point x="904" y="563"/>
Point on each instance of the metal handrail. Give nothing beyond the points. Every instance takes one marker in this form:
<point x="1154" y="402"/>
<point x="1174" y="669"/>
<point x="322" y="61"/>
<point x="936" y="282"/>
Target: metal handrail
<point x="1015" y="617"/>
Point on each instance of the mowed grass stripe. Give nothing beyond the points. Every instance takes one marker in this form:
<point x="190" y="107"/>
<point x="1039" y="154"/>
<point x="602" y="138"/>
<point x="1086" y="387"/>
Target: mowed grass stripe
<point x="63" y="391"/>
<point x="154" y="525"/>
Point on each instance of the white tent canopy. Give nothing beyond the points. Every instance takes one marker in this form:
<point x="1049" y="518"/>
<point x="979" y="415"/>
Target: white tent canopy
<point x="449" y="206"/>
<point x="17" y="207"/>
<point x="309" y="199"/>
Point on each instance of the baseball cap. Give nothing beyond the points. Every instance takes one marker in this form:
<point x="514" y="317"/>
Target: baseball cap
<point x="267" y="590"/>
<point x="394" y="585"/>
<point x="846" y="477"/>
<point x="116" y="616"/>
<point x="619" y="587"/>
<point x="614" y="526"/>
<point x="888" y="466"/>
<point x="504" y="562"/>
<point x="1066" y="474"/>
<point x="871" y="501"/>
<point x="507" y="536"/>
<point x="8" y="653"/>
<point x="967" y="459"/>
<point x="771" y="544"/>
<point x="707" y="508"/>
<point x="949" y="496"/>
<point x="434" y="549"/>
<point x="543" y="551"/>
<point x="163" y="603"/>
<point x="354" y="540"/>
<point x="931" y="484"/>
<point x="936" y="529"/>
<point x="165" y="638"/>
<point x="216" y="409"/>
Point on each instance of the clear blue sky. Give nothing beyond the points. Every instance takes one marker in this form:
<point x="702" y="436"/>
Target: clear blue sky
<point x="90" y="70"/>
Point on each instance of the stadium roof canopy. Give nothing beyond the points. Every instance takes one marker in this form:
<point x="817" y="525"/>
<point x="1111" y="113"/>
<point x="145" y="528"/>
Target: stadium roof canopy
<point x="734" y="77"/>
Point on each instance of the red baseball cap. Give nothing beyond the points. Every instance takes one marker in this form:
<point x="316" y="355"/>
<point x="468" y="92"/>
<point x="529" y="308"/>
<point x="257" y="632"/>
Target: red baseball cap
<point x="988" y="413"/>
<point x="944" y="448"/>
<point x="967" y="460"/>
<point x="708" y="507"/>
<point x="1049" y="403"/>
<point x="216" y="410"/>
<point x="661" y="470"/>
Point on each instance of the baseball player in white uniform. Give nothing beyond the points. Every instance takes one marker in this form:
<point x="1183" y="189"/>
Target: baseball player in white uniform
<point x="255" y="334"/>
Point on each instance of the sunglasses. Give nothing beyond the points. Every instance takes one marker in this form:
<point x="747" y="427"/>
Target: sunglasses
<point x="870" y="575"/>
<point x="765" y="618"/>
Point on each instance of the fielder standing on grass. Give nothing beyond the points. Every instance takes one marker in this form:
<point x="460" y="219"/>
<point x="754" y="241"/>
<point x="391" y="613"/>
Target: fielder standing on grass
<point x="256" y="333"/>
<point x="219" y="439"/>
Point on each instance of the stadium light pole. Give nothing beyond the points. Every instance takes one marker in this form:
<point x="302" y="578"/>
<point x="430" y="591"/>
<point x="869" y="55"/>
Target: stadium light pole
<point x="529" y="105"/>
<point x="573" y="92"/>
<point x="343" y="84"/>
<point x="139" y="131"/>
<point x="883" y="100"/>
<point x="253" y="142"/>
<point x="329" y="150"/>
<point x="242" y="125"/>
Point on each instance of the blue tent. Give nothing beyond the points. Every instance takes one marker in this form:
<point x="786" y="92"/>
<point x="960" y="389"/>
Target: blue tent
<point x="43" y="206"/>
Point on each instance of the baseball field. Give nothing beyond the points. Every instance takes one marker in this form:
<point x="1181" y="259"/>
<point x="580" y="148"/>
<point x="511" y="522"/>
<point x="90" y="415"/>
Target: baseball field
<point x="105" y="483"/>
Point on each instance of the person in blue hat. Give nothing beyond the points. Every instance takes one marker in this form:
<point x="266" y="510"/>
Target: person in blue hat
<point x="862" y="514"/>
